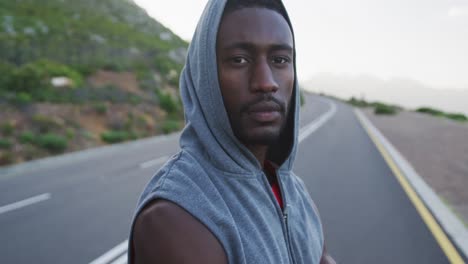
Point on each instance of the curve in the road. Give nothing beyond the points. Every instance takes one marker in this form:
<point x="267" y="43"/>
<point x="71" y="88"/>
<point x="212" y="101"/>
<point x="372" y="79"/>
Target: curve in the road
<point x="312" y="127"/>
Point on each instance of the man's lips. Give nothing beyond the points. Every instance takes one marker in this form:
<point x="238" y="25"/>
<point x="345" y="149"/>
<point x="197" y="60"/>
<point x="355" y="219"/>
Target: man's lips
<point x="265" y="112"/>
<point x="265" y="107"/>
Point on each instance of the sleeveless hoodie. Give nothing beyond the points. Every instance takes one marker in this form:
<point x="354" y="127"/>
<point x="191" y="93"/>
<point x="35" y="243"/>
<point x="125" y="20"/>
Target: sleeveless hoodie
<point x="219" y="181"/>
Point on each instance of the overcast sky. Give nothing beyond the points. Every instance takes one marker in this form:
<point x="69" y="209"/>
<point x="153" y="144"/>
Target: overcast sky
<point x="424" y="40"/>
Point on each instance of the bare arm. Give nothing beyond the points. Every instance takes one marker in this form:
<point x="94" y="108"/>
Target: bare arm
<point x="326" y="259"/>
<point x="166" y="233"/>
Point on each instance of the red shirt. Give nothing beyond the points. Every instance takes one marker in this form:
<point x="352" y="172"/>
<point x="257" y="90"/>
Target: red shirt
<point x="270" y="170"/>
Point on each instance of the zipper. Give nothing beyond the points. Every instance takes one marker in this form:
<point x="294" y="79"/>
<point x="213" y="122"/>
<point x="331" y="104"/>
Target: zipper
<point x="282" y="212"/>
<point x="285" y="218"/>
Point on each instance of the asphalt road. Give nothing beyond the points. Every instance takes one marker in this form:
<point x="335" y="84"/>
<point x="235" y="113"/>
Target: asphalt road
<point x="366" y="214"/>
<point x="83" y="207"/>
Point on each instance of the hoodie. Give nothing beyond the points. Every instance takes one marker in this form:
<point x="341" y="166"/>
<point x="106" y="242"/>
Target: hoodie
<point x="219" y="181"/>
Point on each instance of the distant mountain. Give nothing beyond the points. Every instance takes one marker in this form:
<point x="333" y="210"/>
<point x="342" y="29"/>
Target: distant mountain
<point x="405" y="92"/>
<point x="115" y="34"/>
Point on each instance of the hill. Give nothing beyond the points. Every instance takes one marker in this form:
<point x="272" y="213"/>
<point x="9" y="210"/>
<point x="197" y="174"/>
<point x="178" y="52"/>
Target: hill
<point x="78" y="74"/>
<point x="107" y="33"/>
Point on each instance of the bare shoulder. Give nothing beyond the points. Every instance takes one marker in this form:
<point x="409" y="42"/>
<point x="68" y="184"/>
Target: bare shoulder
<point x="166" y="233"/>
<point x="326" y="258"/>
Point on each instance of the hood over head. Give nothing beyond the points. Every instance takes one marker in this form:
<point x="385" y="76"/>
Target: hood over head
<point x="208" y="131"/>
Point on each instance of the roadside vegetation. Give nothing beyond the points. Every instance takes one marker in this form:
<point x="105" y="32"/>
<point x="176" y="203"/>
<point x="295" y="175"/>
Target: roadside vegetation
<point x="435" y="112"/>
<point x="388" y="109"/>
<point x="79" y="74"/>
<point x="379" y="107"/>
<point x="302" y="97"/>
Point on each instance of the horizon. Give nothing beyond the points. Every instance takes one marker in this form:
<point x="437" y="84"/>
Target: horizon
<point x="406" y="93"/>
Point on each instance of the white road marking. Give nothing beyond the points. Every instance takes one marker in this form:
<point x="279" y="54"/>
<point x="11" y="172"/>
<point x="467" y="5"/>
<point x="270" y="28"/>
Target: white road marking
<point x="24" y="203"/>
<point x="153" y="162"/>
<point x="312" y="127"/>
<point x="121" y="260"/>
<point x="303" y="133"/>
<point x="112" y="254"/>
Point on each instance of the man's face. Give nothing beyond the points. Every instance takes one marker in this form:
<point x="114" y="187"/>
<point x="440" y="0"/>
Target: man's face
<point x="256" y="73"/>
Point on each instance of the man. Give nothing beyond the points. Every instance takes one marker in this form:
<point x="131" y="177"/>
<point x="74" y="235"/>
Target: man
<point x="229" y="195"/>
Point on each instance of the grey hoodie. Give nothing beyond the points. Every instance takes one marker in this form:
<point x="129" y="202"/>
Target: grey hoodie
<point x="219" y="181"/>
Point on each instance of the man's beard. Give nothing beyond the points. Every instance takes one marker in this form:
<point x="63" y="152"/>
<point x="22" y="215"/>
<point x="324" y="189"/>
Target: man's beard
<point x="265" y="139"/>
<point x="268" y="137"/>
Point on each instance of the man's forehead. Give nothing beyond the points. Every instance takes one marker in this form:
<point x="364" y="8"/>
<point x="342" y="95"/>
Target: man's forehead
<point x="253" y="45"/>
<point x="257" y="26"/>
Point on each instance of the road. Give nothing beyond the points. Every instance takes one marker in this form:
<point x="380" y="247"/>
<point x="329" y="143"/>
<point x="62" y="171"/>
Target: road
<point x="81" y="209"/>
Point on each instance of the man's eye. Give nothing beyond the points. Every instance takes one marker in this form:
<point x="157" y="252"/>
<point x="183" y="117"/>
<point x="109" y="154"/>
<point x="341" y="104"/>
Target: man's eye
<point x="239" y="60"/>
<point x="281" y="60"/>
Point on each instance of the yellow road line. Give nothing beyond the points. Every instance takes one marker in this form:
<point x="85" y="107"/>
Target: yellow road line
<point x="440" y="236"/>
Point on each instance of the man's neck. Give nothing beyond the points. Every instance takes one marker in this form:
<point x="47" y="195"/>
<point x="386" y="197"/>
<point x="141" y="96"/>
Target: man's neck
<point x="259" y="151"/>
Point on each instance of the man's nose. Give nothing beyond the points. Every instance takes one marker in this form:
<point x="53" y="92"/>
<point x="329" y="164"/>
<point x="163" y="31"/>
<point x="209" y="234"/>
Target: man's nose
<point x="262" y="79"/>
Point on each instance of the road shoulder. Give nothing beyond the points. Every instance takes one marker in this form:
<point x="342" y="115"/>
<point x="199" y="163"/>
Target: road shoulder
<point x="448" y="221"/>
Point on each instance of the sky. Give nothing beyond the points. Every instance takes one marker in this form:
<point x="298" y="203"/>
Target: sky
<point x="422" y="40"/>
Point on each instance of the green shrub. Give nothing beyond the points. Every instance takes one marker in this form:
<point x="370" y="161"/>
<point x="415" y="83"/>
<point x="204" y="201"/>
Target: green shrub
<point x="84" y="70"/>
<point x="358" y="102"/>
<point x="87" y="134"/>
<point x="435" y="112"/>
<point x="431" y="111"/>
<point x="128" y="124"/>
<point x="302" y="98"/>
<point x="6" y="72"/>
<point x="29" y="78"/>
<point x="146" y="80"/>
<point x="23" y="98"/>
<point x="34" y="77"/>
<point x="45" y="95"/>
<point x="167" y="103"/>
<point x="457" y="117"/>
<point x="383" y="109"/>
<point x="164" y="64"/>
<point x="114" y="136"/>
<point x="5" y="143"/>
<point x="7" y="128"/>
<point x="170" y="125"/>
<point x="54" y="69"/>
<point x="100" y="108"/>
<point x="132" y="135"/>
<point x="141" y="121"/>
<point x="52" y="142"/>
<point x="114" y="66"/>
<point x="70" y="133"/>
<point x="27" y="137"/>
<point x="44" y="123"/>
<point x="135" y="99"/>
<point x="6" y="158"/>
